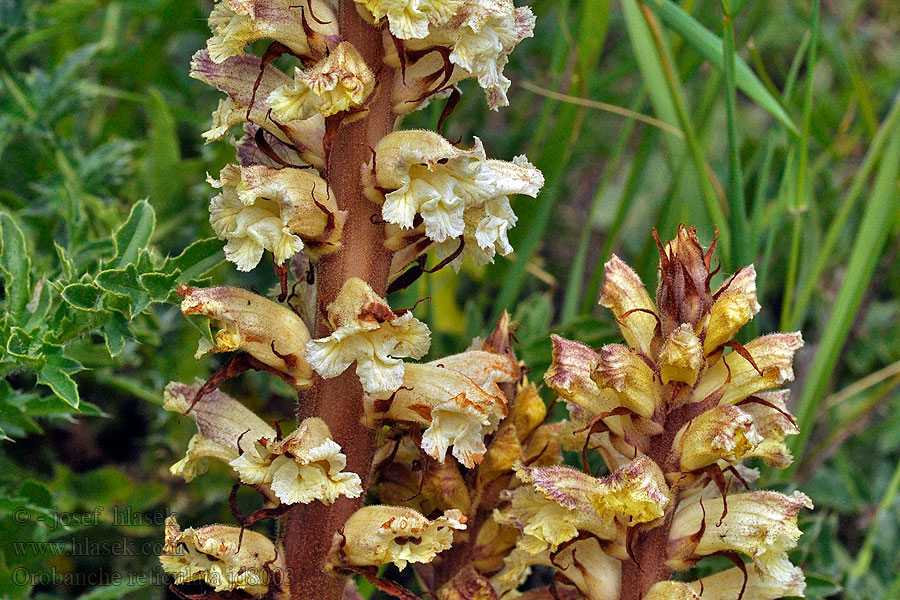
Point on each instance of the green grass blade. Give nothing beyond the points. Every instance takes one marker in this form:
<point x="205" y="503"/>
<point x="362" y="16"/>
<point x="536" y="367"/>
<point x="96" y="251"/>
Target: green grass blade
<point x="737" y="209"/>
<point x="864" y="557"/>
<point x="803" y="192"/>
<point x="579" y="264"/>
<point x="695" y="148"/>
<point x="848" y="207"/>
<point x="710" y="47"/>
<point x="867" y="248"/>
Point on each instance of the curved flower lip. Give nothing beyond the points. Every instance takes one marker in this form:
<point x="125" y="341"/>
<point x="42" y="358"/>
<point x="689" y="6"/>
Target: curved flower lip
<point x="479" y="36"/>
<point x="378" y="535"/>
<point x="226" y="558"/>
<point x="762" y="525"/>
<point x="570" y="373"/>
<point x="368" y="332"/>
<point x="773" y="422"/>
<point x="736" y="378"/>
<point x="457" y="411"/>
<point x="410" y="19"/>
<point x="305" y="466"/>
<point x="625" y="295"/>
<point x="276" y="209"/>
<point x="236" y="23"/>
<point x="220" y="418"/>
<point x="236" y="77"/>
<point x="268" y="331"/>
<point x="338" y="83"/>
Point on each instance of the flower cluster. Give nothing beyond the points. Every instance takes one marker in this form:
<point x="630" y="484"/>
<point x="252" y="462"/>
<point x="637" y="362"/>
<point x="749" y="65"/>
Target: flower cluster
<point x="279" y="201"/>
<point x="466" y="474"/>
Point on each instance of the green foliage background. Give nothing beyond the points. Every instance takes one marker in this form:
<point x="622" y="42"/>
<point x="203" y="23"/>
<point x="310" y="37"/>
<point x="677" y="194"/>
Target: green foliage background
<point x="792" y="151"/>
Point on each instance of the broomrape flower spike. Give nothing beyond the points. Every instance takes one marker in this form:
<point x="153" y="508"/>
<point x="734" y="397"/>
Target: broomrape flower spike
<point x="367" y="331"/>
<point x="686" y="398"/>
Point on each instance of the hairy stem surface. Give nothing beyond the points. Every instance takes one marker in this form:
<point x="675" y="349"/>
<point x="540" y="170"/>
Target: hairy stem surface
<point x="308" y="530"/>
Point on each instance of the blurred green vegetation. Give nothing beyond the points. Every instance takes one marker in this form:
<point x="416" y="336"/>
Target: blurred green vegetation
<point x="781" y="127"/>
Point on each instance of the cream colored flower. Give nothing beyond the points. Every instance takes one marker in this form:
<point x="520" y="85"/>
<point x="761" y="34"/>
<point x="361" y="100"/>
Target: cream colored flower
<point x="236" y="23"/>
<point x="773" y="422"/>
<point x="337" y="83"/>
<point x="378" y="535"/>
<point x="480" y="36"/>
<point x="221" y="421"/>
<point x="268" y="331"/>
<point x="635" y="384"/>
<point x="726" y="584"/>
<point x="225" y="558"/>
<point x="625" y="295"/>
<point x="762" y="525"/>
<point x="411" y="18"/>
<point x="671" y="590"/>
<point x="737" y="378"/>
<point x="237" y="77"/>
<point x="721" y="433"/>
<point x="307" y="465"/>
<point x="368" y="332"/>
<point x="681" y="357"/>
<point x="457" y="193"/>
<point x="275" y="209"/>
<point x="456" y="410"/>
<point x="735" y="304"/>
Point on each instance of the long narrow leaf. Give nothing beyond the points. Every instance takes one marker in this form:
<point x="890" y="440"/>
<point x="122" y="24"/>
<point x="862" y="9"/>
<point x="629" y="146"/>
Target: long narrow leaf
<point x="710" y="47"/>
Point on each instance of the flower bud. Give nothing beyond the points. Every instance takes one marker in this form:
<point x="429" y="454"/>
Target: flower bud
<point x="734" y="306"/>
<point x="721" y="433"/>
<point x="529" y="410"/>
<point x="338" y="83"/>
<point x="226" y="558"/>
<point x="683" y="295"/>
<point x="268" y="331"/>
<point x="625" y="295"/>
<point x="681" y="356"/>
<point x="378" y="535"/>
<point x="620" y="369"/>
<point x="368" y="332"/>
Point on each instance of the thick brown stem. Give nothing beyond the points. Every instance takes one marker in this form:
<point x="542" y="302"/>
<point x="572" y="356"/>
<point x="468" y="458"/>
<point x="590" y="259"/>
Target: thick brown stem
<point x="308" y="530"/>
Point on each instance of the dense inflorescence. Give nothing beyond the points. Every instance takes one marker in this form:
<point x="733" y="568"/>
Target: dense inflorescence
<point x="463" y="471"/>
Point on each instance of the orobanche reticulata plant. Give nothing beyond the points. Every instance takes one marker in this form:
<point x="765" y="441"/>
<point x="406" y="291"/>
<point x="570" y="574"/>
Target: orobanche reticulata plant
<point x="449" y="467"/>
